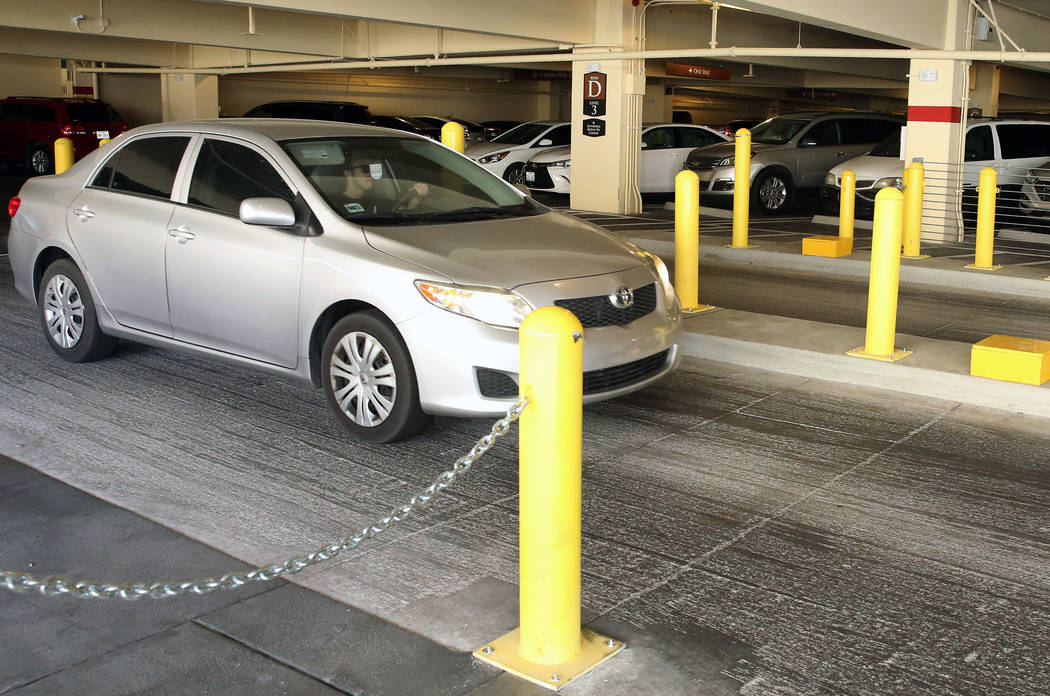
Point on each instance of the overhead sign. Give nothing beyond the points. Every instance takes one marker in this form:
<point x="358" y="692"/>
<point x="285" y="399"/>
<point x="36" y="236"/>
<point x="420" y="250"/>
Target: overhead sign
<point x="700" y="71"/>
<point x="542" y="75"/>
<point x="593" y="127"/>
<point x="594" y="94"/>
<point x="811" y="93"/>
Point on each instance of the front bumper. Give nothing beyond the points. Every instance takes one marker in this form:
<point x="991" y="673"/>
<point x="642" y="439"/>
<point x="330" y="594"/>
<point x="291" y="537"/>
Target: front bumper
<point x="543" y="177"/>
<point x="720" y="181"/>
<point x="863" y="201"/>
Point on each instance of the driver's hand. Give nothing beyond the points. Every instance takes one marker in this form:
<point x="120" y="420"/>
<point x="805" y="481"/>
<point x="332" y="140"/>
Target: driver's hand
<point x="421" y="188"/>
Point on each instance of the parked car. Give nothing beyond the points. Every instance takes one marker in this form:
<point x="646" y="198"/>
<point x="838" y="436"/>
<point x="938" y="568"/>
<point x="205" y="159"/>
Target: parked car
<point x="664" y="149"/>
<point x="1011" y="147"/>
<point x="29" y="127"/>
<point x="732" y="127"/>
<point x="790" y="152"/>
<point x="472" y="132"/>
<point x="388" y="270"/>
<point x="407" y="124"/>
<point x="1035" y="191"/>
<point x="348" y="112"/>
<point x="507" y="154"/>
<point x="494" y="128"/>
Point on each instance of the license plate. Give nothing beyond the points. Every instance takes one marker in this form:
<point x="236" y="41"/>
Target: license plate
<point x="530" y="176"/>
<point x="101" y="134"/>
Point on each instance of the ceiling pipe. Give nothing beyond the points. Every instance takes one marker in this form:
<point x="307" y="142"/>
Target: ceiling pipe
<point x="1020" y="56"/>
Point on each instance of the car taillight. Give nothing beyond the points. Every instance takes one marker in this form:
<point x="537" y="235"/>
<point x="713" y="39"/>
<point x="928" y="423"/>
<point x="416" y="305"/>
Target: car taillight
<point x="73" y="129"/>
<point x="12" y="206"/>
<point x="123" y="127"/>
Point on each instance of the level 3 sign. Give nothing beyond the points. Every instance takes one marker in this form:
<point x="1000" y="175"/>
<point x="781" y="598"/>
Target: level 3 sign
<point x="594" y="94"/>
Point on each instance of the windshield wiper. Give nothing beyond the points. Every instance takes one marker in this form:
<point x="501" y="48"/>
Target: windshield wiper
<point x="473" y="213"/>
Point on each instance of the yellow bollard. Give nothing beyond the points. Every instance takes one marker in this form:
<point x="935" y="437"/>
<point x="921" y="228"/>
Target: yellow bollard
<point x="452" y="135"/>
<point x="834" y="247"/>
<point x="986" y="191"/>
<point x="549" y="648"/>
<point x="741" y="188"/>
<point x="103" y="141"/>
<point x="914" y="183"/>
<point x="687" y="241"/>
<point x="885" y="278"/>
<point x="63" y="155"/>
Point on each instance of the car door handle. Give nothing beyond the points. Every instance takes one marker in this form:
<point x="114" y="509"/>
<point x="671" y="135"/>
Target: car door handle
<point x="840" y="154"/>
<point x="84" y="214"/>
<point x="181" y="234"/>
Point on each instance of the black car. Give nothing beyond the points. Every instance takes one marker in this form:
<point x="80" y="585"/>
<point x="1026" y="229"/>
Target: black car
<point x="494" y="128"/>
<point x="406" y="123"/>
<point x="349" y="112"/>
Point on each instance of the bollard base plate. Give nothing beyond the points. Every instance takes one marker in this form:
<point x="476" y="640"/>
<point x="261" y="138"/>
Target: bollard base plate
<point x="698" y="309"/>
<point x="917" y="256"/>
<point x="826" y="245"/>
<point x="975" y="267"/>
<point x="594" y="650"/>
<point x="896" y="355"/>
<point x="733" y="246"/>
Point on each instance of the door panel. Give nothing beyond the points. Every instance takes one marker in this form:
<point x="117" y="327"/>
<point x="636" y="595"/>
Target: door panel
<point x="121" y="241"/>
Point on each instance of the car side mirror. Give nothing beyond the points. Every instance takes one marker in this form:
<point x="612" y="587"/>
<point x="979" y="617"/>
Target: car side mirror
<point x="808" y="143"/>
<point x="272" y="212"/>
<point x="546" y="142"/>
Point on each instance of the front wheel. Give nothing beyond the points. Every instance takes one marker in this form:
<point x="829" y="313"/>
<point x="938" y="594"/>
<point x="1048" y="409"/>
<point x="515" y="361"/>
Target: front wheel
<point x="369" y="380"/>
<point x="772" y="192"/>
<point x="39" y="160"/>
<point x="67" y="314"/>
<point x="515" y="174"/>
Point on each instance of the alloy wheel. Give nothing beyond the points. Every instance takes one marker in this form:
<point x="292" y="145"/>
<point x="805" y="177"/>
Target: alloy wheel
<point x="39" y="161"/>
<point x="364" y="382"/>
<point x="63" y="311"/>
<point x="773" y="193"/>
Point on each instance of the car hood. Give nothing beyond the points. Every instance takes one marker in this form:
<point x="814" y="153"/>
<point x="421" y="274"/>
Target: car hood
<point x="553" y="154"/>
<point x="727" y="149"/>
<point x="482" y="149"/>
<point x="868" y="168"/>
<point x="509" y="252"/>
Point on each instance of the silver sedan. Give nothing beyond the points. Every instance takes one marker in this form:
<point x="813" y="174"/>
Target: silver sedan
<point x="390" y="271"/>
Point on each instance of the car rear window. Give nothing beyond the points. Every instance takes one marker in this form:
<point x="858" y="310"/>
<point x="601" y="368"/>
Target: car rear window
<point x="92" y="113"/>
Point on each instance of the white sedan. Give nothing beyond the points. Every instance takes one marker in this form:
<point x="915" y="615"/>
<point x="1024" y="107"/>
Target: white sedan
<point x="664" y="149"/>
<point x="506" y="154"/>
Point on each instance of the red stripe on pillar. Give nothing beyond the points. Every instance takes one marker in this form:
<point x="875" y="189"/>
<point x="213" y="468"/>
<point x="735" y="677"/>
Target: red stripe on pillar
<point x="935" y="114"/>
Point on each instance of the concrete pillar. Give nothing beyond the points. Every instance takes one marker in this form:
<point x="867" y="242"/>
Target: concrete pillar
<point x="984" y="88"/>
<point x="936" y="106"/>
<point x="187" y="96"/>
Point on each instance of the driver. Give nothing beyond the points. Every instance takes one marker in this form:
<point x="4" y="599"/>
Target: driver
<point x="361" y="175"/>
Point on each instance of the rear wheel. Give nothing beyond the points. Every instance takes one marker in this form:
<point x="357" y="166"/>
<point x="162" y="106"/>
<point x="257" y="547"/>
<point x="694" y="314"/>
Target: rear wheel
<point x="369" y="380"/>
<point x="772" y="192"/>
<point x="39" y="159"/>
<point x="67" y="314"/>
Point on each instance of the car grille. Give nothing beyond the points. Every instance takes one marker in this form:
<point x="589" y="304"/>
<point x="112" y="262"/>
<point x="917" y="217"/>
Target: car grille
<point x="599" y="310"/>
<point x="863" y="183"/>
<point x="704" y="164"/>
<point x="543" y="177"/>
<point x="1042" y="189"/>
<point x="500" y="385"/>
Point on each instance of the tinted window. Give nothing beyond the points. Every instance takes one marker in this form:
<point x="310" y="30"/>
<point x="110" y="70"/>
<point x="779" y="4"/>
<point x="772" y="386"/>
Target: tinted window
<point x="147" y="167"/>
<point x="560" y="135"/>
<point x="98" y="113"/>
<point x="658" y="138"/>
<point x="860" y="131"/>
<point x="1024" y="140"/>
<point x="40" y="112"/>
<point x="354" y="113"/>
<point x="227" y="173"/>
<point x="695" y="137"/>
<point x="319" y="112"/>
<point x="824" y="134"/>
<point x="264" y="111"/>
<point x="979" y="144"/>
<point x="890" y="147"/>
<point x="525" y="133"/>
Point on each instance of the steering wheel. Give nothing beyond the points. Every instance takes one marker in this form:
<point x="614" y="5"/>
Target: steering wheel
<point x="405" y="198"/>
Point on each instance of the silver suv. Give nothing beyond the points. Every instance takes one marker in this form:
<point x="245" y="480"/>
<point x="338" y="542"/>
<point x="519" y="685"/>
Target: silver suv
<point x="790" y="152"/>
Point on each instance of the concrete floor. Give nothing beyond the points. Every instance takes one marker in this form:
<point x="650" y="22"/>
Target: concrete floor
<point x="746" y="533"/>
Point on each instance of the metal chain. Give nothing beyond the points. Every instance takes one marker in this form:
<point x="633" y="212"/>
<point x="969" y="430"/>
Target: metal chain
<point x="54" y="585"/>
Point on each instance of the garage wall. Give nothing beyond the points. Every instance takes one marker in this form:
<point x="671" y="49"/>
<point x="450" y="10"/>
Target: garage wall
<point x="386" y="92"/>
<point x="135" y="97"/>
<point x="29" y="76"/>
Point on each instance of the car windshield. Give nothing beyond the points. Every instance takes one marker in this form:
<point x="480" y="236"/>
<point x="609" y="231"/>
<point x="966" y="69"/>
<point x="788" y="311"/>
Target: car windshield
<point x="890" y="147"/>
<point x="777" y="131"/>
<point x="519" y="135"/>
<point x="403" y="181"/>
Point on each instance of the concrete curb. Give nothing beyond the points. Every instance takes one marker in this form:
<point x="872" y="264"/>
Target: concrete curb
<point x="911" y="272"/>
<point x="938" y="369"/>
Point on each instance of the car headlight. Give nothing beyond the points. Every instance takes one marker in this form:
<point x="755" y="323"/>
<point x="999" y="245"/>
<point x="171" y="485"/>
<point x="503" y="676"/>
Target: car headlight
<point x="830" y="180"/>
<point x="496" y="157"/>
<point x="894" y="181"/>
<point x="661" y="270"/>
<point x="561" y="163"/>
<point x="726" y="161"/>
<point x="488" y="305"/>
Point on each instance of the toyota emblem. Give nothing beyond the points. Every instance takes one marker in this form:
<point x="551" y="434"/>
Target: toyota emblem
<point x="622" y="298"/>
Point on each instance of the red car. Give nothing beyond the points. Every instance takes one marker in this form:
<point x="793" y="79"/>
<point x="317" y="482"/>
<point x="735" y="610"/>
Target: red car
<point x="29" y="127"/>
